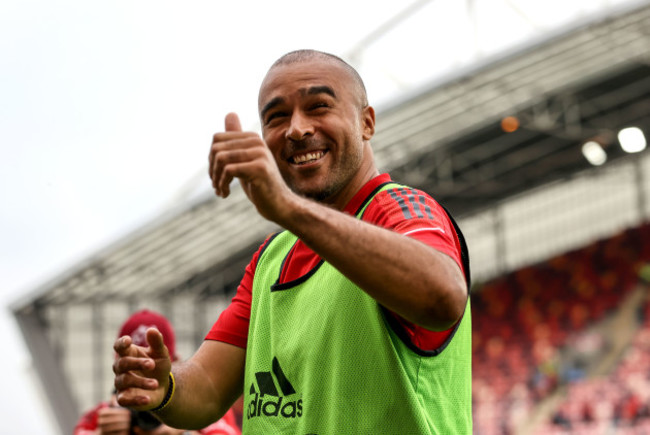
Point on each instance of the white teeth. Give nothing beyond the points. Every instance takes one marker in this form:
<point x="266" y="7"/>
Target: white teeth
<point x="308" y="157"/>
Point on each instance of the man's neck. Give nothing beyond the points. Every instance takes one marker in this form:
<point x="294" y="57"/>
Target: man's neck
<point x="367" y="171"/>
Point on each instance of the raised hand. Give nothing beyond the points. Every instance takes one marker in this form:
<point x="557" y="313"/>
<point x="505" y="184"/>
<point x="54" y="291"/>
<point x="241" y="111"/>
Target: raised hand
<point x="141" y="373"/>
<point x="244" y="155"/>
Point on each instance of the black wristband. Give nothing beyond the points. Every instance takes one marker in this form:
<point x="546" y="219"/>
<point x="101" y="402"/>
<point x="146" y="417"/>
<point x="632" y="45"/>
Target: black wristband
<point x="168" y="396"/>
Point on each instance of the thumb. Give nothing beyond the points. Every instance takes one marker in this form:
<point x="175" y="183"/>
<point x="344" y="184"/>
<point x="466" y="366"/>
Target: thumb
<point x="156" y="343"/>
<point x="232" y="122"/>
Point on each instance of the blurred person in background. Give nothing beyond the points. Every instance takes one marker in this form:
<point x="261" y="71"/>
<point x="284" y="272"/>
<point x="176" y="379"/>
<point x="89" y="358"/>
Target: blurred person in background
<point x="110" y="418"/>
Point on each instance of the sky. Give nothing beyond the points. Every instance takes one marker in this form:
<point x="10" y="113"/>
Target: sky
<point x="107" y="110"/>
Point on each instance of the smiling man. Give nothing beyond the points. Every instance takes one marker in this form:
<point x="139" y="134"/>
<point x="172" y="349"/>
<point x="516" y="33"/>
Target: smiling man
<point x="355" y="318"/>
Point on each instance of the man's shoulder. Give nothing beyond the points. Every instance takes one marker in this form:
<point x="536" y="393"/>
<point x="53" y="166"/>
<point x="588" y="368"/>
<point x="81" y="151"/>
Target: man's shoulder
<point x="411" y="201"/>
<point x="394" y="188"/>
<point x="275" y="243"/>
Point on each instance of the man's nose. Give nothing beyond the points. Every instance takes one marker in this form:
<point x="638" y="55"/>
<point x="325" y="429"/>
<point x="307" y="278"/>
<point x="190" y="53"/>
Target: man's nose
<point x="300" y="127"/>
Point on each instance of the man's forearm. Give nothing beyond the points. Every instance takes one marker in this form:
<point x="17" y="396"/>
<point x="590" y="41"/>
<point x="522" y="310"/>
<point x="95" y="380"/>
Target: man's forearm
<point x="192" y="405"/>
<point x="408" y="277"/>
<point x="206" y="386"/>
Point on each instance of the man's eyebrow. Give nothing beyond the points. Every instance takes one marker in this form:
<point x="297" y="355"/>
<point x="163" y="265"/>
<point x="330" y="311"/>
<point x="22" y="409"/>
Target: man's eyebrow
<point x="315" y="90"/>
<point x="270" y="105"/>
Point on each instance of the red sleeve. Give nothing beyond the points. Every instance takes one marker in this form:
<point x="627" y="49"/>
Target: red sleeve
<point x="415" y="214"/>
<point x="226" y="426"/>
<point x="88" y="422"/>
<point x="232" y="325"/>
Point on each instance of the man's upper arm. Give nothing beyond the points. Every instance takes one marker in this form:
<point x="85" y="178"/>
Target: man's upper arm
<point x="415" y="214"/>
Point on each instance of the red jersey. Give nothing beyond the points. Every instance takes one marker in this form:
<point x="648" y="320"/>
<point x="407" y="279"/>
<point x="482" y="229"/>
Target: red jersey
<point x="407" y="211"/>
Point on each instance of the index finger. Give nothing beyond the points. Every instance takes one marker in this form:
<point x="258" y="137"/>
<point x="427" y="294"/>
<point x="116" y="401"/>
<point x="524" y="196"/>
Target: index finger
<point x="156" y="343"/>
<point x="122" y="344"/>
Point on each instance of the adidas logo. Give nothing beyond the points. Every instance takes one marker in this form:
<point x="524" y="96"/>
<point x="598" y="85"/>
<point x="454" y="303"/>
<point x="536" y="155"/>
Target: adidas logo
<point x="267" y="401"/>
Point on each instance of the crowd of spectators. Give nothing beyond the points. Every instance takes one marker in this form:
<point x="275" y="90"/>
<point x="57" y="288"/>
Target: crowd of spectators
<point x="618" y="403"/>
<point x="524" y="323"/>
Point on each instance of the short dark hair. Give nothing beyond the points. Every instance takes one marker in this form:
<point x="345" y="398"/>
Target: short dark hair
<point x="308" y="54"/>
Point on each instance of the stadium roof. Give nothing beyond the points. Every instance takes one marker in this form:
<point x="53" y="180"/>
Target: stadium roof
<point x="446" y="138"/>
<point x="583" y="83"/>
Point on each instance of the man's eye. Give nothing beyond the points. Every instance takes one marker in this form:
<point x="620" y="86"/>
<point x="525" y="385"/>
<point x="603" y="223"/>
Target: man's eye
<point x="317" y="106"/>
<point x="274" y="115"/>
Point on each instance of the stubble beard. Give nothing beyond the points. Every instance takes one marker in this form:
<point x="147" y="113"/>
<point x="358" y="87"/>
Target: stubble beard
<point x="335" y="180"/>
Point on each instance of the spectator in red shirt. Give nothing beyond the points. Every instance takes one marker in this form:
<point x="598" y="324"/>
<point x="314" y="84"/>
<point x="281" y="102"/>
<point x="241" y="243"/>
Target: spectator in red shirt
<point x="110" y="418"/>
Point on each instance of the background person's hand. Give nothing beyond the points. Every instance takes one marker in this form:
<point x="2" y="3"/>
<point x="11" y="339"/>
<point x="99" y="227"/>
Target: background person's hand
<point x="113" y="419"/>
<point x="141" y="373"/>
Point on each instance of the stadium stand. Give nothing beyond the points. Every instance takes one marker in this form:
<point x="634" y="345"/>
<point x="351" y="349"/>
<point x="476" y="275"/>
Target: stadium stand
<point x="615" y="402"/>
<point x="536" y="335"/>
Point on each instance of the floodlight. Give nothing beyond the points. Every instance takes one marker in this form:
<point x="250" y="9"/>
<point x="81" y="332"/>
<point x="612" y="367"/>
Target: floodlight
<point x="594" y="153"/>
<point x="632" y="140"/>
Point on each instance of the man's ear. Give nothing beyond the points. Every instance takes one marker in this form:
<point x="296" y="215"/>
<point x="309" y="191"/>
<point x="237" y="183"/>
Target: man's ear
<point x="368" y="120"/>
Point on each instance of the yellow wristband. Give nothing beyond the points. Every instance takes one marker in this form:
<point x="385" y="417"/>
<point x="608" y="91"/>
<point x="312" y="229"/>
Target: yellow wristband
<point x="168" y="396"/>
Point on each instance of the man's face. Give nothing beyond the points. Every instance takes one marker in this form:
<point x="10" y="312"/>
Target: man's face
<point x="315" y="126"/>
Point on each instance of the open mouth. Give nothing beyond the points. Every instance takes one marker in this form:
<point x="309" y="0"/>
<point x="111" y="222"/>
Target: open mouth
<point x="304" y="159"/>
